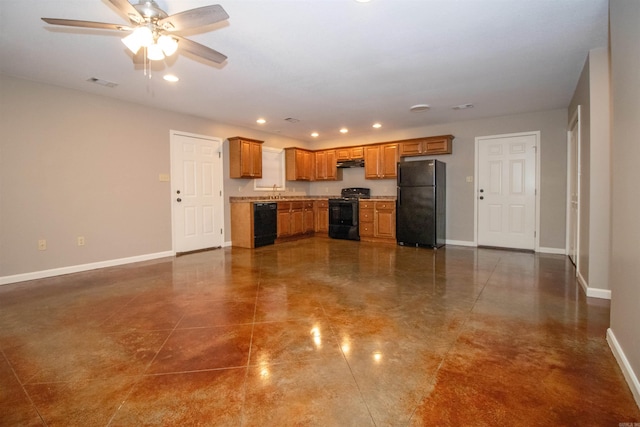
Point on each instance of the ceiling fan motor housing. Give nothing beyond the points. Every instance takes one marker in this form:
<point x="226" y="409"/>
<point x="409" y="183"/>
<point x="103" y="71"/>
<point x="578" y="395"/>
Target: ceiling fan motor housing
<point x="150" y="11"/>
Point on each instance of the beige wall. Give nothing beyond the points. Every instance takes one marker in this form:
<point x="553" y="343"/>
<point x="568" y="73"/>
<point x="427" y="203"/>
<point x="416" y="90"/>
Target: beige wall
<point x="460" y="193"/>
<point x="76" y="164"/>
<point x="625" y="230"/>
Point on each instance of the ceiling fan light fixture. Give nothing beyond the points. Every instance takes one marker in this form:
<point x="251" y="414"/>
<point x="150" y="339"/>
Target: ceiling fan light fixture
<point x="154" y="52"/>
<point x="141" y="36"/>
<point x="132" y="43"/>
<point x="168" y="44"/>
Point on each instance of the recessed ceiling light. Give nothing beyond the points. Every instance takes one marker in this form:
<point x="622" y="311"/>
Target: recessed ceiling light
<point x="171" y="78"/>
<point x="261" y="121"/>
<point x="462" y="107"/>
<point x="315" y="134"/>
<point x="377" y="125"/>
<point x="419" y="107"/>
<point x="344" y="130"/>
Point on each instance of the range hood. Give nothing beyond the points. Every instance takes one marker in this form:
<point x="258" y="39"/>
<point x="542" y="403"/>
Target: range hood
<point x="351" y="163"/>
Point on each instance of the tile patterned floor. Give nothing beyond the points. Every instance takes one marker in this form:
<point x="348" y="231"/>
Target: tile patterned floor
<point x="316" y="332"/>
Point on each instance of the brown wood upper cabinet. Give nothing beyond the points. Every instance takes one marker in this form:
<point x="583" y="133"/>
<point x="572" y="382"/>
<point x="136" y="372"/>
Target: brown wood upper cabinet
<point x="300" y="164"/>
<point x="245" y="157"/>
<point x="380" y="161"/>
<point x="326" y="169"/>
<point x="349" y="153"/>
<point x="426" y="146"/>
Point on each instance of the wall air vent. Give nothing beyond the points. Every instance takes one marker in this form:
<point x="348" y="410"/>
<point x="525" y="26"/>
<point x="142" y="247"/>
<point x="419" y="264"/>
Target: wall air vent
<point x="102" y="82"/>
<point x="291" y="120"/>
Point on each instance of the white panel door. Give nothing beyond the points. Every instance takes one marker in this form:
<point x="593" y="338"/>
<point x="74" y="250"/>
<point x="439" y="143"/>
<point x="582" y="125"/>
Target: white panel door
<point x="196" y="192"/>
<point x="506" y="191"/>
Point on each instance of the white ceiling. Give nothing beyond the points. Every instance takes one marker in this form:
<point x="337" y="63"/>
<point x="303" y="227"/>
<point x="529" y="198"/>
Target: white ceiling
<point x="327" y="63"/>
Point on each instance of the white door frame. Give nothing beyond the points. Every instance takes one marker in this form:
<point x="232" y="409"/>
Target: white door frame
<point x="172" y="135"/>
<point x="575" y="118"/>
<point x="476" y="190"/>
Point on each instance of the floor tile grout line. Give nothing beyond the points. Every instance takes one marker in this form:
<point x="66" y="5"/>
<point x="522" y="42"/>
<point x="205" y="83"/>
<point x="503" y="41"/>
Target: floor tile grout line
<point x="253" y="325"/>
<point x="344" y="356"/>
<point x="141" y="376"/>
<point x="453" y="343"/>
<point x="24" y="390"/>
<point x="116" y="312"/>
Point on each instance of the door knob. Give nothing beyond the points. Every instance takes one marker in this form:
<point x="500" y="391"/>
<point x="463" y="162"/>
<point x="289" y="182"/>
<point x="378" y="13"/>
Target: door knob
<point x="481" y="198"/>
<point x="178" y="192"/>
<point x="179" y="199"/>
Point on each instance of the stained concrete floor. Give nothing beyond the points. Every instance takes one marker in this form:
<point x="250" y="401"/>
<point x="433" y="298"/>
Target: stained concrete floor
<point x="317" y="332"/>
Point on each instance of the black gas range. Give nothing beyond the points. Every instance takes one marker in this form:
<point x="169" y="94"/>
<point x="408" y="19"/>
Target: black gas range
<point x="344" y="213"/>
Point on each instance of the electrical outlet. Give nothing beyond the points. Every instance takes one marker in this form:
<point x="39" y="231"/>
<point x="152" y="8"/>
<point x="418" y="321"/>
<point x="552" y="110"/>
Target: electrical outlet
<point x="42" y="245"/>
<point x="164" y="177"/>
<point x="80" y="240"/>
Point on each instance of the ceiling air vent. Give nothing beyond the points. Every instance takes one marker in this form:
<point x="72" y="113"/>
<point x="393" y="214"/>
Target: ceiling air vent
<point x="102" y="82"/>
<point x="291" y="120"/>
<point x="462" y="107"/>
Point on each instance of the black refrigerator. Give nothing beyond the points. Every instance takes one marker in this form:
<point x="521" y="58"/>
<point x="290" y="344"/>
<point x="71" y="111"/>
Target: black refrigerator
<point x="420" y="213"/>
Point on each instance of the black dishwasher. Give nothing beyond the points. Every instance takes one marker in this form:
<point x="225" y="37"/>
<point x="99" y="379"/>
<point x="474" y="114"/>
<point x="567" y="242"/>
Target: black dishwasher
<point x="265" y="223"/>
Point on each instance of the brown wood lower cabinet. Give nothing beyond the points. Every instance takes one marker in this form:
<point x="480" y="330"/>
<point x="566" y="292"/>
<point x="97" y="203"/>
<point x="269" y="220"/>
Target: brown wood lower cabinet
<point x="308" y="217"/>
<point x="295" y="219"/>
<point x="322" y="216"/>
<point x="378" y="221"/>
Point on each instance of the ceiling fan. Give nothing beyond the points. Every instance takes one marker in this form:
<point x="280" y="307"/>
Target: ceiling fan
<point x="154" y="30"/>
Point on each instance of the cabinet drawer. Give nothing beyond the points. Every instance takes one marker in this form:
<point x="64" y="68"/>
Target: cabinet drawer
<point x="385" y="205"/>
<point x="308" y="205"/>
<point x="366" y="205"/>
<point x="284" y="206"/>
<point x="366" y="229"/>
<point x="366" y="215"/>
<point x="323" y="203"/>
<point x="297" y="205"/>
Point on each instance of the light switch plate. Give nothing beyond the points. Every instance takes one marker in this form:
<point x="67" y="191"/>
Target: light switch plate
<point x="164" y="177"/>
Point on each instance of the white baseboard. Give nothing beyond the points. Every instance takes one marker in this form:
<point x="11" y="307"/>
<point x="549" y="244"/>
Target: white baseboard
<point x="226" y="244"/>
<point x="557" y="251"/>
<point x="627" y="370"/>
<point x="460" y="243"/>
<point x="593" y="292"/>
<point x="599" y="293"/>
<point x="83" y="267"/>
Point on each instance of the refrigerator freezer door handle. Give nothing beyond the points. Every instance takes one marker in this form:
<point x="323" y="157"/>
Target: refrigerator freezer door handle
<point x="399" y="196"/>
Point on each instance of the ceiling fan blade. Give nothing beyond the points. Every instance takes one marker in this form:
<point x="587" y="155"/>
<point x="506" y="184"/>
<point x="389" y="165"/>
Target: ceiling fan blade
<point x="194" y="18"/>
<point x="200" y="50"/>
<point x="86" y="24"/>
<point x="128" y="10"/>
